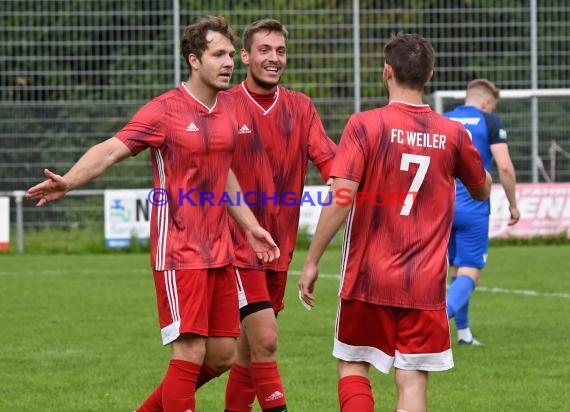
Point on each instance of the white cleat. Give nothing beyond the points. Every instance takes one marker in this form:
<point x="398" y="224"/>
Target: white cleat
<point x="473" y="342"/>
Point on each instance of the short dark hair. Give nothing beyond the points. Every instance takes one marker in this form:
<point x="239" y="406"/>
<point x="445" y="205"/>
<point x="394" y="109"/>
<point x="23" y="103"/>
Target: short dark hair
<point x="194" y="41"/>
<point x="412" y="58"/>
<point x="267" y="25"/>
<point x="487" y="86"/>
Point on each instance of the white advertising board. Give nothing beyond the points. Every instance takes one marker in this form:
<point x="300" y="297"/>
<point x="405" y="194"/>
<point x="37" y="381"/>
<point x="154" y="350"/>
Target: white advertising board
<point x="127" y="215"/>
<point x="311" y="205"/>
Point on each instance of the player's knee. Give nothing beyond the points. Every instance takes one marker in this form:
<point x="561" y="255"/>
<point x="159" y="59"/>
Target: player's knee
<point x="189" y="347"/>
<point x="266" y="344"/>
<point x="224" y="359"/>
<point x="225" y="363"/>
<point x="221" y="354"/>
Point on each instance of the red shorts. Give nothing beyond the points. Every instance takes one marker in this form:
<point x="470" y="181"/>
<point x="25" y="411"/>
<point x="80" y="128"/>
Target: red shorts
<point x="261" y="286"/>
<point x="386" y="336"/>
<point x="199" y="301"/>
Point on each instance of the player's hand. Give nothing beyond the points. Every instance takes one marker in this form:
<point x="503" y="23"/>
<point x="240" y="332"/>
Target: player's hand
<point x="515" y="215"/>
<point x="53" y="188"/>
<point x="307" y="282"/>
<point x="263" y="244"/>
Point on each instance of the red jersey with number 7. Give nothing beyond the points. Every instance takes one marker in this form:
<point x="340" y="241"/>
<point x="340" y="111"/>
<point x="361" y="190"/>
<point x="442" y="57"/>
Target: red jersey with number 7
<point x="405" y="158"/>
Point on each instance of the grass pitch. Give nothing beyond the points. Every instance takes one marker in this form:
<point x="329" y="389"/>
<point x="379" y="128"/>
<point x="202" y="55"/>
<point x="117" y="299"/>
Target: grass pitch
<point x="79" y="333"/>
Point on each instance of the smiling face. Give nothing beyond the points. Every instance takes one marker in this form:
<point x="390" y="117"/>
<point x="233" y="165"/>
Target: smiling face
<point x="214" y="68"/>
<point x="266" y="61"/>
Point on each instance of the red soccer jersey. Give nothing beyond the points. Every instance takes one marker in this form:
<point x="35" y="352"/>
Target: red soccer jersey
<point x="394" y="251"/>
<point x="271" y="159"/>
<point x="191" y="152"/>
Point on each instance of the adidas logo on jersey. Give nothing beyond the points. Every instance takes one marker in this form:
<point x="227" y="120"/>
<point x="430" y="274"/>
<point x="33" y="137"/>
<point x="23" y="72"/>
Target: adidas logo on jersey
<point x="274" y="396"/>
<point x="244" y="129"/>
<point x="192" y="127"/>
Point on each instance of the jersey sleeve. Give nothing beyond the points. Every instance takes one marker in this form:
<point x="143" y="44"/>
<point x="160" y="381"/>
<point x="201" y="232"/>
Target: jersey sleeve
<point x="322" y="149"/>
<point x="350" y="159"/>
<point x="495" y="129"/>
<point x="145" y="127"/>
<point x="469" y="167"/>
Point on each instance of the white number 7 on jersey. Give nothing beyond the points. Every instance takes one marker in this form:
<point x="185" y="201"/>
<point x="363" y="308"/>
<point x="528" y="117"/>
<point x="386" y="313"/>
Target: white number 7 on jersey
<point x="423" y="162"/>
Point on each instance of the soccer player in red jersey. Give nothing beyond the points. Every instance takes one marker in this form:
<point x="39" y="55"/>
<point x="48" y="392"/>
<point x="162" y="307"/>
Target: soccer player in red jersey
<point x="191" y="133"/>
<point x="393" y="270"/>
<point x="279" y="132"/>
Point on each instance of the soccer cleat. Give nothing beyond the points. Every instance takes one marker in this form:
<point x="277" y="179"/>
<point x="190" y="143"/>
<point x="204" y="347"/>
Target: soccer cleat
<point x="473" y="342"/>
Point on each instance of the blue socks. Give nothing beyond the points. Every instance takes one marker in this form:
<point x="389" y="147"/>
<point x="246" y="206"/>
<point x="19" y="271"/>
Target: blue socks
<point x="458" y="296"/>
<point x="462" y="316"/>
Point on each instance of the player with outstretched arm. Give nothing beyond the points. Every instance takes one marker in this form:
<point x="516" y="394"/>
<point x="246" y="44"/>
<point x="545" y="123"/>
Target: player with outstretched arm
<point x="191" y="133"/>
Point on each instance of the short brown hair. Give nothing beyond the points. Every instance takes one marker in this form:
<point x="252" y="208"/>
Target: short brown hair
<point x="412" y="57"/>
<point x="194" y="41"/>
<point x="267" y="25"/>
<point x="486" y="85"/>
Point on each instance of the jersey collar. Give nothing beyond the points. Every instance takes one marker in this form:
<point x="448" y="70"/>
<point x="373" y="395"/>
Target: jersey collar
<point x="209" y="110"/>
<point x="277" y="92"/>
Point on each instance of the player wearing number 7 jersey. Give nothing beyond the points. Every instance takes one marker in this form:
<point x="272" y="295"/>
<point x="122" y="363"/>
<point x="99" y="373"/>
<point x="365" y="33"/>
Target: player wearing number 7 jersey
<point x="393" y="270"/>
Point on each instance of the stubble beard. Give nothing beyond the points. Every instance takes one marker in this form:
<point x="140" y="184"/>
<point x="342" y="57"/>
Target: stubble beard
<point x="264" y="84"/>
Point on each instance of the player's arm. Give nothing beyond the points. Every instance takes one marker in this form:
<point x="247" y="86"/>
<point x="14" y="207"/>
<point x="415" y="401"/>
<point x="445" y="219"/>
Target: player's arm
<point x="508" y="178"/>
<point x="93" y="163"/>
<point x="330" y="220"/>
<point x="322" y="149"/>
<point x="325" y="170"/>
<point x="259" y="239"/>
<point x="484" y="191"/>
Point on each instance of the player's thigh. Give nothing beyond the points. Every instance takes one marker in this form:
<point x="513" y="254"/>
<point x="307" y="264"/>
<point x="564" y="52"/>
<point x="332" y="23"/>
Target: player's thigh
<point x="260" y="329"/>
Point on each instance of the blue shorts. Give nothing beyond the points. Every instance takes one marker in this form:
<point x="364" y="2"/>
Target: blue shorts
<point x="469" y="240"/>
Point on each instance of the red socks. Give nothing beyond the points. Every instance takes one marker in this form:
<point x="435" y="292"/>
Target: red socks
<point x="261" y="380"/>
<point x="268" y="386"/>
<point x="206" y="375"/>
<point x="179" y="386"/>
<point x="177" y="391"/>
<point x="154" y="402"/>
<point x="355" y="394"/>
<point x="240" y="394"/>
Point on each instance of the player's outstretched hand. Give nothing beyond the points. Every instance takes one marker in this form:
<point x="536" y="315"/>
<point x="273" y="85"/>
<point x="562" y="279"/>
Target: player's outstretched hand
<point x="53" y="188"/>
<point x="263" y="244"/>
<point x="307" y="282"/>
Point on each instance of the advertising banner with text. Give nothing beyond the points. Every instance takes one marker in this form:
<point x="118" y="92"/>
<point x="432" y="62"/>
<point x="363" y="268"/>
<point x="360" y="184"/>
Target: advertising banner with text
<point x="544" y="208"/>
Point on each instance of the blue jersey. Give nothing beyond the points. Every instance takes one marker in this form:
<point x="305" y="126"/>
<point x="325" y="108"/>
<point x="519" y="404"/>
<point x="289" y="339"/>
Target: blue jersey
<point x="485" y="129"/>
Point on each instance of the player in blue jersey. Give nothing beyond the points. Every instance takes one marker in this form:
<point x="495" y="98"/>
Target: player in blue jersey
<point x="469" y="241"/>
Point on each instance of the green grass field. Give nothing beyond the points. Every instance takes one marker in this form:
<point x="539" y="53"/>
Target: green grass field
<point x="79" y="333"/>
